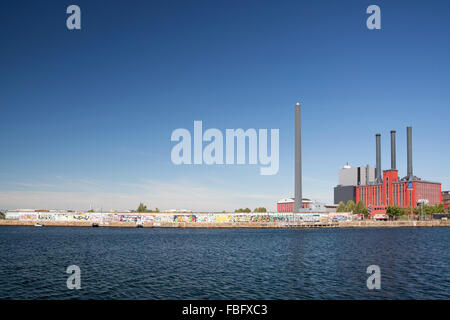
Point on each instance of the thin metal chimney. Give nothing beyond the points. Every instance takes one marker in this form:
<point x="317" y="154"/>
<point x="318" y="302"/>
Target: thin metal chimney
<point x="378" y="178"/>
<point x="393" y="152"/>
<point x="298" y="159"/>
<point x="409" y="146"/>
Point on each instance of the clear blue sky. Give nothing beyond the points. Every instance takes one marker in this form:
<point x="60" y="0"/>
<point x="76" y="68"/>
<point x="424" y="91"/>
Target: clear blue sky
<point x="86" y="116"/>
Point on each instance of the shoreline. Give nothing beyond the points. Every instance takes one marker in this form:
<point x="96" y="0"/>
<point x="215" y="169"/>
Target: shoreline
<point x="246" y="225"/>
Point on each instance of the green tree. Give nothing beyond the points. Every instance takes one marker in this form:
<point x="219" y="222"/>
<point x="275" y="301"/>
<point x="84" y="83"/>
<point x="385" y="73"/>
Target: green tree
<point x="394" y="211"/>
<point x="428" y="210"/>
<point x="439" y="208"/>
<point x="261" y="209"/>
<point x="421" y="210"/>
<point x="365" y="212"/>
<point x="142" y="208"/>
<point x="359" y="208"/>
<point x="408" y="211"/>
<point x="350" y="206"/>
<point x="2" y="215"/>
<point x="340" y="207"/>
<point x="246" y="210"/>
<point x="90" y="210"/>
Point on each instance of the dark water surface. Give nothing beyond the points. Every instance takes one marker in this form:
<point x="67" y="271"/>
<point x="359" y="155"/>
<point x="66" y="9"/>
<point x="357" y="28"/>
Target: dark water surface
<point x="224" y="263"/>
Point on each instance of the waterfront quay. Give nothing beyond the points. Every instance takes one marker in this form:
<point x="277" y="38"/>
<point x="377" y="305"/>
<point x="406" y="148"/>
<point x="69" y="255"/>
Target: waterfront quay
<point x="338" y="224"/>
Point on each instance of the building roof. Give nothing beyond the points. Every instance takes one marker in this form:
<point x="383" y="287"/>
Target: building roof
<point x="286" y="200"/>
<point x="290" y="200"/>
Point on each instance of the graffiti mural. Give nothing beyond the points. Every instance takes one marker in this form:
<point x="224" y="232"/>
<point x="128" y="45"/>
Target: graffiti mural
<point x="158" y="218"/>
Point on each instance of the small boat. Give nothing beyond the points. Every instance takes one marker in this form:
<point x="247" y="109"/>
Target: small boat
<point x="37" y="225"/>
<point x="95" y="225"/>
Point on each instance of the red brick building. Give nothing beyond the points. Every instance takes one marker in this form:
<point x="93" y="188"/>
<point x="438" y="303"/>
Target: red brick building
<point x="287" y="204"/>
<point x="402" y="193"/>
<point x="388" y="190"/>
<point x="446" y="200"/>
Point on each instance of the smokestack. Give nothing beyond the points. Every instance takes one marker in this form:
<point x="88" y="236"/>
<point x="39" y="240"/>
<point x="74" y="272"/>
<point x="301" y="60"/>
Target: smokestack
<point x="393" y="153"/>
<point x="409" y="146"/>
<point x="298" y="159"/>
<point x="378" y="169"/>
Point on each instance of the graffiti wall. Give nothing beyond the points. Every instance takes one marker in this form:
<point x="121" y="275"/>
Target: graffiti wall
<point x="106" y="218"/>
<point x="340" y="216"/>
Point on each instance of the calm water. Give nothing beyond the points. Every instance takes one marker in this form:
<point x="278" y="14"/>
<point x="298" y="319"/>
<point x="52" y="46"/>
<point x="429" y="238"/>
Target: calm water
<point x="224" y="264"/>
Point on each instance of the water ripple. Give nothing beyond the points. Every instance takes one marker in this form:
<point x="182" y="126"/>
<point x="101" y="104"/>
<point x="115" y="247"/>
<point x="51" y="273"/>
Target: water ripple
<point x="224" y="264"/>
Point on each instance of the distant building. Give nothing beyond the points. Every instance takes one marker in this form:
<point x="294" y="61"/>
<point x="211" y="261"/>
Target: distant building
<point x="446" y="199"/>
<point x="331" y="207"/>
<point x="344" y="194"/>
<point x="287" y="204"/>
<point x="177" y="211"/>
<point x="349" y="178"/>
<point x="356" y="176"/>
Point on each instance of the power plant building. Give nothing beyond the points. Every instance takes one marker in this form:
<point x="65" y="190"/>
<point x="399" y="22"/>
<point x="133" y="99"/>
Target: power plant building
<point x="356" y="176"/>
<point x="387" y="189"/>
<point x="349" y="178"/>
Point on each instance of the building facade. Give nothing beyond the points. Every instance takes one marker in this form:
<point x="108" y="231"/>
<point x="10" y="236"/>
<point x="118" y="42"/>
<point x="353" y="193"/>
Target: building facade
<point x="355" y="176"/>
<point x="395" y="192"/>
<point x="287" y="204"/>
<point x="387" y="189"/>
<point x="446" y="199"/>
<point x="349" y="178"/>
<point x="344" y="194"/>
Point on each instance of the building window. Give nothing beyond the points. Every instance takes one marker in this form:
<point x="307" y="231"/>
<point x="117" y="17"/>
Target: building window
<point x="387" y="191"/>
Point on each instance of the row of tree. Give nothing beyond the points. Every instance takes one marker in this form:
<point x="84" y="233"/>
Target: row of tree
<point x="351" y="206"/>
<point x="143" y="208"/>
<point x="391" y="211"/>
<point x="395" y="211"/>
<point x="247" y="210"/>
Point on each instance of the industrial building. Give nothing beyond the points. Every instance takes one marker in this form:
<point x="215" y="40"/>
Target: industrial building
<point x="356" y="176"/>
<point x="287" y="204"/>
<point x="387" y="189"/>
<point x="349" y="178"/>
<point x="446" y="199"/>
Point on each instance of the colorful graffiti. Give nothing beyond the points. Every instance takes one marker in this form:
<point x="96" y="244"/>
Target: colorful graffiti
<point x="177" y="218"/>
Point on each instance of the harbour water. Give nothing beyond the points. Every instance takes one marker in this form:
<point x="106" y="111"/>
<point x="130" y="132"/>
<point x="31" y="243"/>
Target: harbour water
<point x="131" y="263"/>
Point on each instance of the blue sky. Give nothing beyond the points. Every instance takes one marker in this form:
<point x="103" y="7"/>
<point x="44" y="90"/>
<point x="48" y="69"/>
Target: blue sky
<point x="86" y="115"/>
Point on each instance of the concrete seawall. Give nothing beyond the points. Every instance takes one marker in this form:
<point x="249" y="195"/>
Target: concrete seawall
<point x="343" y="224"/>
